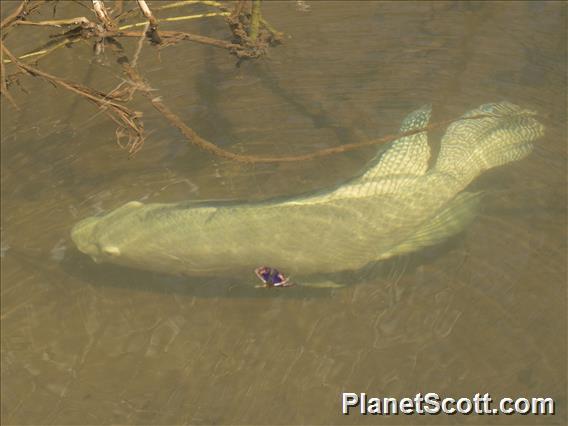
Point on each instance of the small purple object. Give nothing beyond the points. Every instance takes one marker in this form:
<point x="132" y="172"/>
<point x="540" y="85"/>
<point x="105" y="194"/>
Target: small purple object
<point x="271" y="277"/>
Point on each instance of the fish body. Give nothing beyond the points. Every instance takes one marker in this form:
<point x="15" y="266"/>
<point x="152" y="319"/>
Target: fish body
<point x="398" y="204"/>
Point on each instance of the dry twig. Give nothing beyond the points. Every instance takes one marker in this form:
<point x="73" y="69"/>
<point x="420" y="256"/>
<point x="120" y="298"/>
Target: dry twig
<point x="204" y="144"/>
<point x="104" y="16"/>
<point x="129" y="124"/>
<point x="18" y="14"/>
<point x="127" y="120"/>
<point x="3" y="83"/>
<point x="152" y="31"/>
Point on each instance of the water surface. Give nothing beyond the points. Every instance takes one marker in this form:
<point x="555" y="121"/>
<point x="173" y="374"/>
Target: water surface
<point x="485" y="312"/>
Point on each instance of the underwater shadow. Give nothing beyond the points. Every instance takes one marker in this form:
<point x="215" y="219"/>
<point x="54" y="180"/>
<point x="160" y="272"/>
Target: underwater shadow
<point x="84" y="270"/>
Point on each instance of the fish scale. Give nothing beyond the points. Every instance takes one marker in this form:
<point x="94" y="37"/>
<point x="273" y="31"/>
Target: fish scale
<point x="395" y="206"/>
<point x="407" y="155"/>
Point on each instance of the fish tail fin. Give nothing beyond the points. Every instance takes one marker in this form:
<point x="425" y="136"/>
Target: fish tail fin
<point x="408" y="155"/>
<point x="329" y="284"/>
<point x="503" y="134"/>
<point x="451" y="220"/>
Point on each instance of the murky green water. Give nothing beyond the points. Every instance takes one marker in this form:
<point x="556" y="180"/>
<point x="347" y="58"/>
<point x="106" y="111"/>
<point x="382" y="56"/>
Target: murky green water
<point x="486" y="312"/>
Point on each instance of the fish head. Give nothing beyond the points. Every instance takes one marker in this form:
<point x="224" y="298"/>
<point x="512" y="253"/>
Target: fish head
<point x="101" y="237"/>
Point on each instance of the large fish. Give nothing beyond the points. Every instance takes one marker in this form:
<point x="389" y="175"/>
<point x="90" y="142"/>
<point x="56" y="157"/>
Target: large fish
<point x="396" y="205"/>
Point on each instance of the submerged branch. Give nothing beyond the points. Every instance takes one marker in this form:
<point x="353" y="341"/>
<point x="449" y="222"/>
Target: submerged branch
<point x="172" y="37"/>
<point x="253" y="34"/>
<point x="3" y="85"/>
<point x="252" y="43"/>
<point x="58" y="23"/>
<point x="103" y="15"/>
<point x="177" y="18"/>
<point x="204" y="144"/>
<point x="255" y="20"/>
<point x="18" y="14"/>
<point x="126" y="119"/>
<point x="189" y="2"/>
<point x="152" y="29"/>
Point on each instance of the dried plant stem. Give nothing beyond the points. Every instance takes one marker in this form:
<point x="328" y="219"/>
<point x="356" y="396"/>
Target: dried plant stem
<point x="139" y="46"/>
<point x="42" y="51"/>
<point x="58" y="23"/>
<point x="103" y="15"/>
<point x="255" y="20"/>
<point x="147" y="12"/>
<point x="121" y="16"/>
<point x="176" y="18"/>
<point x="3" y="86"/>
<point x="171" y="37"/>
<point x="168" y="38"/>
<point x="152" y="31"/>
<point x="198" y="141"/>
<point x="239" y="8"/>
<point x="24" y="9"/>
<point x="176" y="4"/>
<point x="81" y="20"/>
<point x="246" y="48"/>
<point x="127" y="119"/>
<point x="16" y="15"/>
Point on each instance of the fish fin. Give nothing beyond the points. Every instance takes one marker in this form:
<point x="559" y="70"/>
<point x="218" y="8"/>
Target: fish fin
<point x="471" y="146"/>
<point x="321" y="284"/>
<point x="455" y="217"/>
<point x="408" y="155"/>
<point x="111" y="250"/>
<point x="132" y="204"/>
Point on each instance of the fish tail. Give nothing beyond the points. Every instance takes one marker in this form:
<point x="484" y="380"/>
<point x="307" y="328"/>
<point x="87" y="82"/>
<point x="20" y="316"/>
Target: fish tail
<point x="451" y="220"/>
<point x="503" y="133"/>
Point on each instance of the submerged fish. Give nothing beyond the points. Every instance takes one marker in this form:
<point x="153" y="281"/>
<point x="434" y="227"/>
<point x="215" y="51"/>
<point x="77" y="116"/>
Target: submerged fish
<point x="396" y="205"/>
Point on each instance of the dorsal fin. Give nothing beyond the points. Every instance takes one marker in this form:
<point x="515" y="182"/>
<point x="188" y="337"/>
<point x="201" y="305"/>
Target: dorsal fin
<point x="408" y="155"/>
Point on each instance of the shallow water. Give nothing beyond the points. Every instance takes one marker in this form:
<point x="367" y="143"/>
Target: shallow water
<point x="485" y="312"/>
